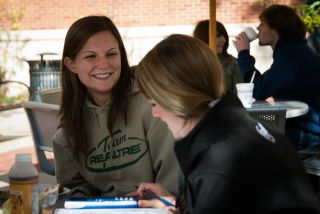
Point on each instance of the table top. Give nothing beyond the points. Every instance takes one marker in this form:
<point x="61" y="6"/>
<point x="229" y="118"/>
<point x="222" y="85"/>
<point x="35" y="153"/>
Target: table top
<point x="112" y="211"/>
<point x="57" y="208"/>
<point x="294" y="108"/>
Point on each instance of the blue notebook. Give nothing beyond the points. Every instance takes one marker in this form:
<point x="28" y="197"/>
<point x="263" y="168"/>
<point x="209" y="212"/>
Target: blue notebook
<point x="112" y="211"/>
<point x="100" y="202"/>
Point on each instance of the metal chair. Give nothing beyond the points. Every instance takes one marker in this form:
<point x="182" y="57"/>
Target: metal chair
<point x="44" y="120"/>
<point x="274" y="115"/>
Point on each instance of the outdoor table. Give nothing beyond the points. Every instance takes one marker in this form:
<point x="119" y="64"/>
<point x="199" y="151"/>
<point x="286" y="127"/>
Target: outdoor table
<point x="294" y="108"/>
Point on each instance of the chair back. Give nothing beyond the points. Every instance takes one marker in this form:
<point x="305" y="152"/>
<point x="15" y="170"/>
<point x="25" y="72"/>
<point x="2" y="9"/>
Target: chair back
<point x="52" y="96"/>
<point x="274" y="115"/>
<point x="44" y="120"/>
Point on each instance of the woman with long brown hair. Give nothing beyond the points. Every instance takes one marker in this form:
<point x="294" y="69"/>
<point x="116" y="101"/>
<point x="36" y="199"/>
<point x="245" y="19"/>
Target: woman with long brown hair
<point x="107" y="136"/>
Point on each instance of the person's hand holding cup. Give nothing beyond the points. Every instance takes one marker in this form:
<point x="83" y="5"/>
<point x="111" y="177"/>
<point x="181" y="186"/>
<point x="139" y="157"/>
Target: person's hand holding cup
<point x="245" y="91"/>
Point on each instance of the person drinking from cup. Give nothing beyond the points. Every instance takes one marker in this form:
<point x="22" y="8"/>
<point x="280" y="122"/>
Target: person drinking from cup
<point x="230" y="162"/>
<point x="294" y="73"/>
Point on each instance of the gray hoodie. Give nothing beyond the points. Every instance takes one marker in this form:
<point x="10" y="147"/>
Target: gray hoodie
<point x="142" y="151"/>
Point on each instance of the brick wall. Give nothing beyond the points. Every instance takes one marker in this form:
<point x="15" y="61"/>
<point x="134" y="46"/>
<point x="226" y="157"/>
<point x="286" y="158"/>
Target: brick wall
<point x="59" y="14"/>
<point x="142" y="24"/>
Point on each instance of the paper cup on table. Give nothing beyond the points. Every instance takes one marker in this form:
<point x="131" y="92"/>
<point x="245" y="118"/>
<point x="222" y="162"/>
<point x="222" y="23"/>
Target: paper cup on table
<point x="250" y="33"/>
<point x="245" y="91"/>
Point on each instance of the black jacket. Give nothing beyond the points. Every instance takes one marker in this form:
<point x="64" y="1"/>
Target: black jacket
<point x="233" y="164"/>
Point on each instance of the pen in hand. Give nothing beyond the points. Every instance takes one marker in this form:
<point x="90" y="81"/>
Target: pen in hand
<point x="148" y="194"/>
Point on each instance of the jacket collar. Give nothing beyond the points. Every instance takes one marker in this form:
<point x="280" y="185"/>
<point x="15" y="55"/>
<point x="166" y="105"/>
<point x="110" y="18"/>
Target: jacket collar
<point x="207" y="131"/>
<point x="283" y="43"/>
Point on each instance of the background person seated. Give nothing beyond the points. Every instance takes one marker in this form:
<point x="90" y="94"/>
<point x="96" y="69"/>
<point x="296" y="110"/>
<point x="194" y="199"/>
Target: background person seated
<point x="294" y="74"/>
<point x="232" y="75"/>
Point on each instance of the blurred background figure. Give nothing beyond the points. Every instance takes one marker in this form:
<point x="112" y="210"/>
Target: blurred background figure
<point x="294" y="74"/>
<point x="232" y="75"/>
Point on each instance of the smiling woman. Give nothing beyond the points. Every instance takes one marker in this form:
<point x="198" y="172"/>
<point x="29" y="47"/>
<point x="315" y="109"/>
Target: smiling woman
<point x="98" y="66"/>
<point x="107" y="134"/>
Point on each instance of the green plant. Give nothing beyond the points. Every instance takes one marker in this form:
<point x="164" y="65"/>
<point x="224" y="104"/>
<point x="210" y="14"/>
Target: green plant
<point x="10" y="43"/>
<point x="310" y="15"/>
<point x="7" y="100"/>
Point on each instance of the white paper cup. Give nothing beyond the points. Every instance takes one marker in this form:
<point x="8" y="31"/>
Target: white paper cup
<point x="245" y="91"/>
<point x="250" y="33"/>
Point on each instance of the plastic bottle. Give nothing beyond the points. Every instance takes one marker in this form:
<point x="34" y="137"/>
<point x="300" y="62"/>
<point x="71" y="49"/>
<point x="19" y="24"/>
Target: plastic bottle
<point x="23" y="179"/>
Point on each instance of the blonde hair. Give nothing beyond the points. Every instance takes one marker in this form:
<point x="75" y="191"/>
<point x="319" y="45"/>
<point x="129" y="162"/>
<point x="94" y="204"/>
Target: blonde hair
<point x="181" y="74"/>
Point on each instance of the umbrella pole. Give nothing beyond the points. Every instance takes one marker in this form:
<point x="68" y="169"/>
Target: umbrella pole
<point x="212" y="25"/>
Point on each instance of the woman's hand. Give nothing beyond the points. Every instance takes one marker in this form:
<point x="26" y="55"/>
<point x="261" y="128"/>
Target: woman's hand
<point x="147" y="200"/>
<point x="78" y="193"/>
<point x="241" y="42"/>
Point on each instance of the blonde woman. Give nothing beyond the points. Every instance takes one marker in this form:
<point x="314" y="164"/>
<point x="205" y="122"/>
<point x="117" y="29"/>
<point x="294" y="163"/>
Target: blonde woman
<point x="230" y="162"/>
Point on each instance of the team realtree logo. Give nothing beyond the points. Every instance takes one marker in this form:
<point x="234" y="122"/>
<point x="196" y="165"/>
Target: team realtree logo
<point x="119" y="152"/>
